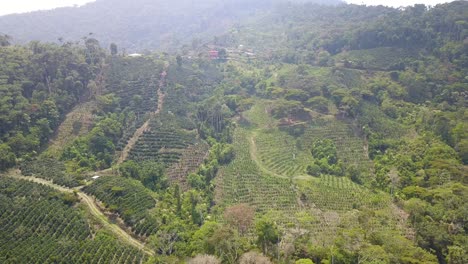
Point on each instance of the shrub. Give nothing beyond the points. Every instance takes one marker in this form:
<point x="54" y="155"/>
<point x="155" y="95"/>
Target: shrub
<point x="204" y="259"/>
<point x="304" y="261"/>
<point x="254" y="258"/>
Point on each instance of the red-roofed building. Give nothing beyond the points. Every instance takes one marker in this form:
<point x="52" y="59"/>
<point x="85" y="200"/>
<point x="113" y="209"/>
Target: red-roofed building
<point x="214" y="54"/>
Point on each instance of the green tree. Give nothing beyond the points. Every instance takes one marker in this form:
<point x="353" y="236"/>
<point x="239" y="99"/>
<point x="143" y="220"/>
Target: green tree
<point x="113" y="49"/>
<point x="152" y="176"/>
<point x="4" y="40"/>
<point x="227" y="244"/>
<point x="179" y="60"/>
<point x="7" y="157"/>
<point x="267" y="234"/>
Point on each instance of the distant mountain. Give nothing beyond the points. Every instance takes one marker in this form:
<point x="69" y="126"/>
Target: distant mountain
<point x="139" y="24"/>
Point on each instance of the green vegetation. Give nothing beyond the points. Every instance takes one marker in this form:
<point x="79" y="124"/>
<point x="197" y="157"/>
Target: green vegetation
<point x="49" y="169"/>
<point x="41" y="225"/>
<point x="129" y="199"/>
<point x="39" y="84"/>
<point x="321" y="134"/>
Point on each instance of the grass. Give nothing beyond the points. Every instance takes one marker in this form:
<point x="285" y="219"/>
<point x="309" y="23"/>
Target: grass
<point x="77" y="123"/>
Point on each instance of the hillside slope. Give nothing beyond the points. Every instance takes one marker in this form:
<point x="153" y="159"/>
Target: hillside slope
<point x="136" y="25"/>
<point x="317" y="134"/>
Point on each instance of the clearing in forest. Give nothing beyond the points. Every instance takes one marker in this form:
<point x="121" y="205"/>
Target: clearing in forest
<point x="77" y="123"/>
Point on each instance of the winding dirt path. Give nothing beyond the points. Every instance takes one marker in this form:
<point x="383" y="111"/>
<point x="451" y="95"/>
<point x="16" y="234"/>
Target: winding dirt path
<point x="93" y="209"/>
<point x="145" y="127"/>
<point x="254" y="156"/>
<point x="117" y="230"/>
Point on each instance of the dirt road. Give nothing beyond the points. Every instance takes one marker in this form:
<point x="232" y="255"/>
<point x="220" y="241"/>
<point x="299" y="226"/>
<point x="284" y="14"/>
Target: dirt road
<point x="93" y="209"/>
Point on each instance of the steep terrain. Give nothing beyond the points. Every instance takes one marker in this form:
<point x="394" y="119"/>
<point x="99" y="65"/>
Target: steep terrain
<point x="309" y="133"/>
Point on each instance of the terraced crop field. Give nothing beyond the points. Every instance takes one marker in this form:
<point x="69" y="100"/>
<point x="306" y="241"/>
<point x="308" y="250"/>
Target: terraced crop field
<point x="189" y="162"/>
<point x="280" y="153"/>
<point x="146" y="88"/>
<point x="351" y="149"/>
<point x="40" y="226"/>
<point x="162" y="143"/>
<point x="269" y="173"/>
<point x="129" y="198"/>
<point x="49" y="169"/>
<point x="340" y="194"/>
<point x="243" y="182"/>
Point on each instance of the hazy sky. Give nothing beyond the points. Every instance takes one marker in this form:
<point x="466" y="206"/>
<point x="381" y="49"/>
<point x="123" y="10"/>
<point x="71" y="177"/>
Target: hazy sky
<point x="398" y="3"/>
<point x="21" y="6"/>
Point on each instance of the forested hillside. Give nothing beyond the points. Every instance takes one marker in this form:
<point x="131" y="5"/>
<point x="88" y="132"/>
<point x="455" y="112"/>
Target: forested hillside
<point x="137" y="25"/>
<point x="290" y="132"/>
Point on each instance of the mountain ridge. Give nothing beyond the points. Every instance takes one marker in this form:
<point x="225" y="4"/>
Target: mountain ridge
<point x="136" y="26"/>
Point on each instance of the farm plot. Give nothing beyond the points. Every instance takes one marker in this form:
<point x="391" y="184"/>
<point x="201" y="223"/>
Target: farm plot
<point x="351" y="149"/>
<point x="280" y="153"/>
<point x="136" y="83"/>
<point x="332" y="202"/>
<point x="242" y="182"/>
<point x="128" y="132"/>
<point x="162" y="143"/>
<point x="340" y="194"/>
<point x="319" y="205"/>
<point x="190" y="161"/>
<point x="140" y="95"/>
<point x="259" y="114"/>
<point x="40" y="225"/>
<point x="49" y="169"/>
<point x="130" y="199"/>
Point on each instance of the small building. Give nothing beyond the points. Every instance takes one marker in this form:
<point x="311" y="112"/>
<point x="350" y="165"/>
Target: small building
<point x="214" y="54"/>
<point x="95" y="177"/>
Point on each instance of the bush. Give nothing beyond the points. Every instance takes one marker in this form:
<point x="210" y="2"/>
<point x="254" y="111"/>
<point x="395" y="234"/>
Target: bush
<point x="254" y="258"/>
<point x="7" y="157"/>
<point x="204" y="259"/>
<point x="313" y="170"/>
<point x="304" y="261"/>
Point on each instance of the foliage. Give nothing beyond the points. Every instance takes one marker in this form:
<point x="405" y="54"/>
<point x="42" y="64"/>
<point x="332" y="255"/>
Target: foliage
<point x="267" y="234"/>
<point x="325" y="159"/>
<point x="150" y="174"/>
<point x="128" y="198"/>
<point x="49" y="169"/>
<point x="39" y="84"/>
<point x="7" y="157"/>
<point x="304" y="261"/>
<point x="239" y="216"/>
<point x="95" y="150"/>
<point x="369" y="100"/>
<point x="254" y="258"/>
<point x="40" y="224"/>
<point x="204" y="259"/>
